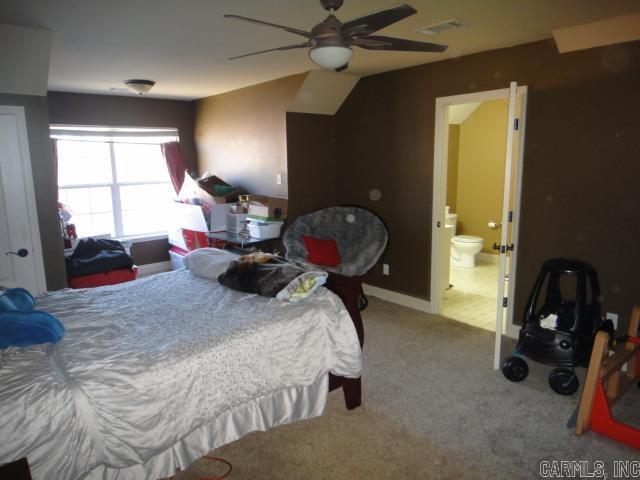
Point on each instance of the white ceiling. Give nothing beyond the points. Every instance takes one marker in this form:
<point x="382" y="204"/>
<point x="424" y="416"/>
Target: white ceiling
<point x="184" y="45"/>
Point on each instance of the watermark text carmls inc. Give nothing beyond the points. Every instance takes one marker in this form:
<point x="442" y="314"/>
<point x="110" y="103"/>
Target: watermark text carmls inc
<point x="588" y="469"/>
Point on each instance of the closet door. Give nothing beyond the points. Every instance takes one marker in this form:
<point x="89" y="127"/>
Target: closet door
<point x="21" y="263"/>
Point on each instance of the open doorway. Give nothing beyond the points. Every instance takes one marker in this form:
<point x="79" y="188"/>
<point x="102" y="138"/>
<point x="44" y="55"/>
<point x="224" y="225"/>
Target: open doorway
<point x="477" y="136"/>
<point x="477" y="180"/>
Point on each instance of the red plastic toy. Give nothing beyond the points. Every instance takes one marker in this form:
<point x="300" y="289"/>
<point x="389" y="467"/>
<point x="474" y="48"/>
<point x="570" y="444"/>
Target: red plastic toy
<point x="606" y="382"/>
<point x="111" y="277"/>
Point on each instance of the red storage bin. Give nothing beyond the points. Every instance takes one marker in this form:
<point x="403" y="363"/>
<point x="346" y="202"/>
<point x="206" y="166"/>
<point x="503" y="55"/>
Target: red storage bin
<point x="112" y="277"/>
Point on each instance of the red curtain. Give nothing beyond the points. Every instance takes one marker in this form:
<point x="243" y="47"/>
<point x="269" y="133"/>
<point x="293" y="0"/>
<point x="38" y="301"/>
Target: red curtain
<point x="175" y="163"/>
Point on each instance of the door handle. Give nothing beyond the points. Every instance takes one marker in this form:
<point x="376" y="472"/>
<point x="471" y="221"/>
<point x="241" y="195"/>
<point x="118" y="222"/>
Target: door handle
<point x="502" y="248"/>
<point x="23" y="252"/>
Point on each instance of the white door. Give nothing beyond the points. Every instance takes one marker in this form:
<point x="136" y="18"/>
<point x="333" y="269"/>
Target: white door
<point x="21" y="263"/>
<point x="510" y="210"/>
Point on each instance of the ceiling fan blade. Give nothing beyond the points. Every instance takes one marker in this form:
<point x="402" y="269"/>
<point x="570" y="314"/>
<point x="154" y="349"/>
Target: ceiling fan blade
<point x="286" y="47"/>
<point x="342" y="68"/>
<point x="376" y="42"/>
<point x="268" y="24"/>
<point x="361" y="26"/>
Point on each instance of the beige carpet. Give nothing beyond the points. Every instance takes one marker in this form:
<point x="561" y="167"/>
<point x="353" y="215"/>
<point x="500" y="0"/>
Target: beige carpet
<point x="433" y="409"/>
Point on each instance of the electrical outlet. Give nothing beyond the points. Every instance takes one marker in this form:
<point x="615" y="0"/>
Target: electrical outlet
<point x="279" y="179"/>
<point x="385" y="269"/>
<point x="614" y="318"/>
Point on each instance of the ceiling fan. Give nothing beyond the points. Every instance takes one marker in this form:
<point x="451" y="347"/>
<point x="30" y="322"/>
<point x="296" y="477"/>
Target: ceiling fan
<point x="330" y="41"/>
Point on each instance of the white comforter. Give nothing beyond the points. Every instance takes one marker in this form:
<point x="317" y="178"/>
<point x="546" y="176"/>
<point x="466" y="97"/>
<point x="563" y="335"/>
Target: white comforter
<point x="146" y="364"/>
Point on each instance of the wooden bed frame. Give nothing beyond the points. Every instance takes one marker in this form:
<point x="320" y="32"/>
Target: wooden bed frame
<point x="348" y="289"/>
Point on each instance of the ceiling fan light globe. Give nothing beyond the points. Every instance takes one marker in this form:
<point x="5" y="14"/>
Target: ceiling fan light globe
<point x="139" y="86"/>
<point x="330" y="57"/>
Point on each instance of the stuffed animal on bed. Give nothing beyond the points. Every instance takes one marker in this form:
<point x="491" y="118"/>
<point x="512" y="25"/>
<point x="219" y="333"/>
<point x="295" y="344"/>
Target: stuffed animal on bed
<point x="21" y="325"/>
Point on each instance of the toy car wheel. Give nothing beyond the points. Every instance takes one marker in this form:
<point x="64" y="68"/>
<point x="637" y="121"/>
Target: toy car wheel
<point x="563" y="381"/>
<point x="515" y="369"/>
<point x="363" y="301"/>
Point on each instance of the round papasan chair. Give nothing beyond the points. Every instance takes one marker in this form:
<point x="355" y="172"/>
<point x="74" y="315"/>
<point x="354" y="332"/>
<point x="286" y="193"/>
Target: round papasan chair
<point x="361" y="238"/>
<point x="360" y="235"/>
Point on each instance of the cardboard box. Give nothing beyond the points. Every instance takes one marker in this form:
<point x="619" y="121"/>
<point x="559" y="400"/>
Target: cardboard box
<point x="268" y="208"/>
<point x="192" y="189"/>
<point x="217" y="188"/>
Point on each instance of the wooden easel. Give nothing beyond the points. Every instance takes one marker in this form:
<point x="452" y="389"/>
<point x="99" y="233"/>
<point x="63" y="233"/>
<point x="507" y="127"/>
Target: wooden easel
<point x="606" y="382"/>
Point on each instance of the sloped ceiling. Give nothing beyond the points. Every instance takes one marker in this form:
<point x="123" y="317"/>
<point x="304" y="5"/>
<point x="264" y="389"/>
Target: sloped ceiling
<point x="459" y="113"/>
<point x="322" y="92"/>
<point x="184" y="45"/>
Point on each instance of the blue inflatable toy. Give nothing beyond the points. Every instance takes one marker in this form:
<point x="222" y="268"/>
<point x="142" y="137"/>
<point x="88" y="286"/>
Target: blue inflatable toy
<point x="21" y="325"/>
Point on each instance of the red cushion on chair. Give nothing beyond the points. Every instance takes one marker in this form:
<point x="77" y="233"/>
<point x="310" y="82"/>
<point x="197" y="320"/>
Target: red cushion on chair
<point x="321" y="251"/>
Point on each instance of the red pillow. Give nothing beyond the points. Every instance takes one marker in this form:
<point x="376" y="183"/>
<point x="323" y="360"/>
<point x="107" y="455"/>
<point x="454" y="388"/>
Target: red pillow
<point x="321" y="251"/>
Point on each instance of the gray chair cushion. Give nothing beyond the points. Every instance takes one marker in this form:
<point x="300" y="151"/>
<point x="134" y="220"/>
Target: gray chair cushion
<point x="360" y="235"/>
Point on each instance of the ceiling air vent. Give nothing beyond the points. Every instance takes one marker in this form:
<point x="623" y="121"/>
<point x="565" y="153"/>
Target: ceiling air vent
<point x="441" y="27"/>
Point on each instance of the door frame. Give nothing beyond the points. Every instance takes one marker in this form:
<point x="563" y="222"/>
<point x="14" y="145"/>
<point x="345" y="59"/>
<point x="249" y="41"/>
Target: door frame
<point x="18" y="113"/>
<point x="440" y="161"/>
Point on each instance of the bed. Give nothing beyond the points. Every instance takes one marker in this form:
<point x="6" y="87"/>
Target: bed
<point x="153" y="374"/>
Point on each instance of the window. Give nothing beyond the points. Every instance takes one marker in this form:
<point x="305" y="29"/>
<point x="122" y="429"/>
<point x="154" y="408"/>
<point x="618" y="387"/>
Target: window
<point x="114" y="181"/>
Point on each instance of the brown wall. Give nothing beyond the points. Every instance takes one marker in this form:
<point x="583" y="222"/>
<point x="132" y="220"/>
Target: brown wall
<point x="37" y="118"/>
<point x="580" y="196"/>
<point x="312" y="162"/>
<point x="241" y="135"/>
<point x="119" y="111"/>
<point x="152" y="251"/>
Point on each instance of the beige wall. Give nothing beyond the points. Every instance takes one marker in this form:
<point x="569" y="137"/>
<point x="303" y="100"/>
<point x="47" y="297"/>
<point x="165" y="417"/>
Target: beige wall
<point x="481" y="171"/>
<point x="241" y="135"/>
<point x="452" y="166"/>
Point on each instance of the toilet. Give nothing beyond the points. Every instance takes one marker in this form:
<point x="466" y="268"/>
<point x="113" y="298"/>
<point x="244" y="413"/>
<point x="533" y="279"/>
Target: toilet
<point x="464" y="248"/>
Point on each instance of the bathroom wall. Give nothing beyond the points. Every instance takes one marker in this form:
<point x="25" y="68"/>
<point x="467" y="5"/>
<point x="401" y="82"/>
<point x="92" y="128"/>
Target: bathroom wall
<point x="452" y="167"/>
<point x="481" y="155"/>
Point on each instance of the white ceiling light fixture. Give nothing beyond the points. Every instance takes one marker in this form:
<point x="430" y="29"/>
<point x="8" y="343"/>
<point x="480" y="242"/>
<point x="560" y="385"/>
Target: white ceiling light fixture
<point x="330" y="57"/>
<point x="139" y="86"/>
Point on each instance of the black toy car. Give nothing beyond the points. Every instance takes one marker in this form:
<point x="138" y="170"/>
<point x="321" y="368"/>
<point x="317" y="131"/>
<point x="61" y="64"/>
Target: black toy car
<point x="561" y="319"/>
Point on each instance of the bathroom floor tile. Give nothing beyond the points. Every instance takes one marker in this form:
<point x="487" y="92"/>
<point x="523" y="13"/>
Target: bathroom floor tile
<point x="472" y="298"/>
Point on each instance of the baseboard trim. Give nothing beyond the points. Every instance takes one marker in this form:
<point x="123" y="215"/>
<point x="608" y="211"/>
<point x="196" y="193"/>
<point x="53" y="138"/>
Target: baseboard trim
<point x="157" y="267"/>
<point x="488" y="258"/>
<point x="398" y="298"/>
<point x="512" y="331"/>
